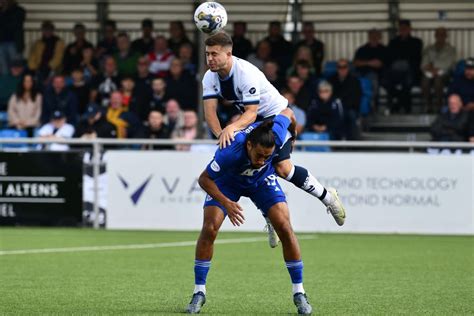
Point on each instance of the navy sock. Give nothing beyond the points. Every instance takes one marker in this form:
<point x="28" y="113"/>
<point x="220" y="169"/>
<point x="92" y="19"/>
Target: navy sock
<point x="201" y="268"/>
<point x="295" y="268"/>
<point x="299" y="176"/>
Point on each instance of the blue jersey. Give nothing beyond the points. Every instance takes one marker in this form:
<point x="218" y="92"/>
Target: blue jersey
<point x="231" y="165"/>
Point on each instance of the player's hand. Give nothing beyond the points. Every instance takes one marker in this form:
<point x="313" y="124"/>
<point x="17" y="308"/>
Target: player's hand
<point x="227" y="136"/>
<point x="235" y="213"/>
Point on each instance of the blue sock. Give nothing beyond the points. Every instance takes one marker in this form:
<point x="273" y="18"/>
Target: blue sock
<point x="295" y="268"/>
<point x="201" y="268"/>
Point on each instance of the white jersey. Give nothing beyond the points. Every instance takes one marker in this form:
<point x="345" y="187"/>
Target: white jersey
<point x="245" y="85"/>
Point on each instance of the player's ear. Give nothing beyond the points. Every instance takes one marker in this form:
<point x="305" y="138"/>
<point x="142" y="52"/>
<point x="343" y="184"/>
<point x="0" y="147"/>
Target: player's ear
<point x="249" y="146"/>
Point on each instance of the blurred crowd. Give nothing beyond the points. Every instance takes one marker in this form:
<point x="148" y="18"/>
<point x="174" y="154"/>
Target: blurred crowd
<point x="148" y="87"/>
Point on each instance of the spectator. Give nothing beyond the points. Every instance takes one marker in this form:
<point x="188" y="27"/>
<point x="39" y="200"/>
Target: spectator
<point x="144" y="44"/>
<point x="438" y="61"/>
<point x="24" y="107"/>
<point x="46" y="54"/>
<point x="12" y="18"/>
<point x="242" y="46"/>
<point x="108" y="45"/>
<point x="181" y="86"/>
<point x="174" y="117"/>
<point x="155" y="128"/>
<point x="115" y="114"/>
<point x="325" y="115"/>
<point x="300" y="115"/>
<point x="178" y="36"/>
<point x="160" y="58"/>
<point x="89" y="65"/>
<point x="451" y="126"/>
<point x="302" y="96"/>
<point x="94" y="124"/>
<point x="303" y="53"/>
<point x="57" y="129"/>
<point x="262" y="54"/>
<point x="315" y="45"/>
<point x="186" y="55"/>
<point x="128" y="98"/>
<point x="142" y="90"/>
<point x="347" y="89"/>
<point x="59" y="98"/>
<point x="9" y="82"/>
<point x="404" y="58"/>
<point x="464" y="85"/>
<point x="304" y="71"/>
<point x="73" y="53"/>
<point x="281" y="49"/>
<point x="81" y="89"/>
<point x="370" y="59"/>
<point x="270" y="69"/>
<point x="105" y="83"/>
<point x="188" y="131"/>
<point x="125" y="58"/>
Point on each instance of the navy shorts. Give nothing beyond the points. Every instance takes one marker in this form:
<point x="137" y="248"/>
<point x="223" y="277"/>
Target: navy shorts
<point x="264" y="196"/>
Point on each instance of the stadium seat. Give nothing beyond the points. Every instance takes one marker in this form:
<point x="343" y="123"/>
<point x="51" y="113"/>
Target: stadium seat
<point x="366" y="98"/>
<point x="13" y="133"/>
<point x="315" y="136"/>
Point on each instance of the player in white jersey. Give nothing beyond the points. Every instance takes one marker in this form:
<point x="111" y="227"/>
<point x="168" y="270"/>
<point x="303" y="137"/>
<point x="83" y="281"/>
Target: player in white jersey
<point x="243" y="84"/>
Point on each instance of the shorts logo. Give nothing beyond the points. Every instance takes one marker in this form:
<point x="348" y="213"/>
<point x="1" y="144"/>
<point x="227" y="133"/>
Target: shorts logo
<point x="215" y="166"/>
<point x="208" y="198"/>
<point x="252" y="90"/>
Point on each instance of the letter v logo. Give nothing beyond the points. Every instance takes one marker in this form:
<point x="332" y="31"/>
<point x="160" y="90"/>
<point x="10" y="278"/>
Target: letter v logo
<point x="138" y="192"/>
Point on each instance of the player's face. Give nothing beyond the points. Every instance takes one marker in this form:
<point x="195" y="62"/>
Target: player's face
<point x="258" y="154"/>
<point x="217" y="57"/>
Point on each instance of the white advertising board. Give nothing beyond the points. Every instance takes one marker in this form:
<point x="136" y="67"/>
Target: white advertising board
<point x="382" y="192"/>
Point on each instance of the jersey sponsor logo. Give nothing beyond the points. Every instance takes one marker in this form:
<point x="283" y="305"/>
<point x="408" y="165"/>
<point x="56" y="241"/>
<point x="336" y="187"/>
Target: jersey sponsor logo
<point x="215" y="166"/>
<point x="252" y="90"/>
<point x="251" y="172"/>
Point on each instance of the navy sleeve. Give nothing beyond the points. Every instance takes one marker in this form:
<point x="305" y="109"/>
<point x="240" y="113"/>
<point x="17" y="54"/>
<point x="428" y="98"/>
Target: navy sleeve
<point x="280" y="129"/>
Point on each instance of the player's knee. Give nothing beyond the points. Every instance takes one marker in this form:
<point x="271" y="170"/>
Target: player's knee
<point x="283" y="168"/>
<point x="210" y="230"/>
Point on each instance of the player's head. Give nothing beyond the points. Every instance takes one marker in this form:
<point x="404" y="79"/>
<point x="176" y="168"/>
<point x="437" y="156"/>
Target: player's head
<point x="261" y="144"/>
<point x="218" y="51"/>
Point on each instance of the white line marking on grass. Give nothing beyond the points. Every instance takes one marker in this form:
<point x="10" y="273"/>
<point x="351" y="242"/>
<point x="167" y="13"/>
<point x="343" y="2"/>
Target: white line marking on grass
<point x="136" y="246"/>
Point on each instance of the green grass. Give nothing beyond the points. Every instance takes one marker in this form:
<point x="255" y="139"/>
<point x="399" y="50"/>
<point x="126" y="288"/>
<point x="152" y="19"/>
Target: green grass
<point x="344" y="275"/>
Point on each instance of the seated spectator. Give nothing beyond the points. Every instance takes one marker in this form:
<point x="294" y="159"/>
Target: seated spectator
<point x="181" y="86"/>
<point x="370" y="59"/>
<point x="302" y="96"/>
<point x="188" y="131"/>
<point x="144" y="44"/>
<point x="174" y="117"/>
<point x="94" y="124"/>
<point x="108" y="45"/>
<point x="437" y="63"/>
<point x="10" y="81"/>
<point x="451" y="126"/>
<point x="89" y="65"/>
<point x="125" y="58"/>
<point x="300" y="115"/>
<point x="304" y="71"/>
<point x="464" y="85"/>
<point x="186" y="55"/>
<point x="155" y="103"/>
<point x="160" y="58"/>
<point x="303" y="53"/>
<point x="115" y="114"/>
<point x="178" y="36"/>
<point x="73" y="52"/>
<point x="316" y="46"/>
<point x="56" y="129"/>
<point x="325" y="114"/>
<point x="155" y="128"/>
<point x="81" y="89"/>
<point x="46" y="54"/>
<point x="263" y="52"/>
<point x="404" y="58"/>
<point x="281" y="49"/>
<point x="128" y="98"/>
<point x="12" y="18"/>
<point x="24" y="107"/>
<point x="270" y="69"/>
<point x="242" y="46"/>
<point x="59" y="98"/>
<point x="346" y="88"/>
<point x="105" y="83"/>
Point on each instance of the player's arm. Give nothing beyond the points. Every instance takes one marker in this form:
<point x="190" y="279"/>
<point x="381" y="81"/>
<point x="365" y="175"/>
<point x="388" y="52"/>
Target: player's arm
<point x="234" y="210"/>
<point x="210" y="114"/>
<point x="291" y="116"/>
<point x="247" y="118"/>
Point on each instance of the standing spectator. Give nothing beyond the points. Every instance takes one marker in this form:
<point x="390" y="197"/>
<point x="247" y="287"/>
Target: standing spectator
<point x="302" y="96"/>
<point x="181" y="86"/>
<point x="281" y="49"/>
<point x="142" y="90"/>
<point x="263" y="52"/>
<point x="108" y="45"/>
<point x="24" y="107"/>
<point x="186" y="54"/>
<point x="125" y="58"/>
<point x="155" y="128"/>
<point x="73" y="53"/>
<point x="57" y="129"/>
<point x="178" y="36"/>
<point x="404" y="59"/>
<point x="370" y="59"/>
<point x="59" y="98"/>
<point x="174" y="117"/>
<point x="105" y="83"/>
<point x="451" y="126"/>
<point x="12" y="18"/>
<point x="316" y="46"/>
<point x="188" y="131"/>
<point x="94" y="124"/>
<point x="242" y="46"/>
<point x="464" y="85"/>
<point x="89" y="64"/>
<point x="46" y="54"/>
<point x="161" y="57"/>
<point x="346" y="88"/>
<point x="144" y="44"/>
<point x="10" y="81"/>
<point x="325" y="115"/>
<point x="438" y="61"/>
<point x="81" y="89"/>
<point x="270" y="69"/>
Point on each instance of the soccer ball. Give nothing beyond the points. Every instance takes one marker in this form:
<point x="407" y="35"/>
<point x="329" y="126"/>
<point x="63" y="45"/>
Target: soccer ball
<point x="210" y="17"/>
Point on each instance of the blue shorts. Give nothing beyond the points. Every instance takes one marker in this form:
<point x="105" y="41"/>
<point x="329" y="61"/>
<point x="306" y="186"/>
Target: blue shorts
<point x="264" y="196"/>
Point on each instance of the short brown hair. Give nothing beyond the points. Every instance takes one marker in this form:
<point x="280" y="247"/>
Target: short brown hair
<point x="221" y="39"/>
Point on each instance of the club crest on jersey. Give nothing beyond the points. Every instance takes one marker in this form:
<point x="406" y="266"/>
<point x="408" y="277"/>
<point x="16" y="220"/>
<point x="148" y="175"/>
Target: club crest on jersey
<point x="215" y="166"/>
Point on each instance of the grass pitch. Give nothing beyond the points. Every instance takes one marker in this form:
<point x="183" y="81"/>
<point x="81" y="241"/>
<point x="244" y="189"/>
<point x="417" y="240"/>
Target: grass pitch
<point x="343" y="275"/>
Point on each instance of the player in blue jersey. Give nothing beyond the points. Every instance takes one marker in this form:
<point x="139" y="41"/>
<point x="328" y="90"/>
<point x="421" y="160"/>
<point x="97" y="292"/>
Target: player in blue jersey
<point x="246" y="87"/>
<point x="244" y="168"/>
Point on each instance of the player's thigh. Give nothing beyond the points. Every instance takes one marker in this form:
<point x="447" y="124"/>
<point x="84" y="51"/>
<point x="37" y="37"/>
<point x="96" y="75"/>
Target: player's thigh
<point x="213" y="218"/>
<point x="229" y="192"/>
<point x="267" y="194"/>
